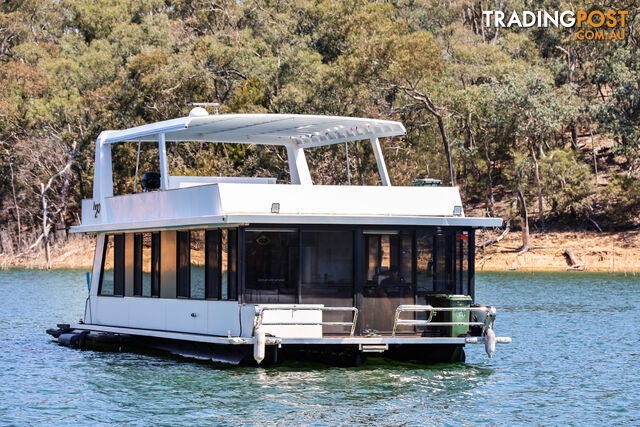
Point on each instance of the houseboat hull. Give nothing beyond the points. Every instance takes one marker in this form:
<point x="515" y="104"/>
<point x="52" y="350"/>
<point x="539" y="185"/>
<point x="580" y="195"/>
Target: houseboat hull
<point x="335" y="351"/>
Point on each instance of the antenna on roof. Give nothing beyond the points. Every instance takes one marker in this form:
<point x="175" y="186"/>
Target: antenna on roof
<point x="215" y="105"/>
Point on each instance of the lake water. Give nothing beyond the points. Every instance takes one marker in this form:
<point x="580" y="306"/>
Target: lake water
<point x="575" y="358"/>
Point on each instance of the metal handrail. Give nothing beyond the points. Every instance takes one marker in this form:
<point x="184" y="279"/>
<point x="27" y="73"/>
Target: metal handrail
<point x="261" y="309"/>
<point x="430" y="309"/>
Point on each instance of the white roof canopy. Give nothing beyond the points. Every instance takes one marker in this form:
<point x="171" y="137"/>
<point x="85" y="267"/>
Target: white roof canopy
<point x="270" y="129"/>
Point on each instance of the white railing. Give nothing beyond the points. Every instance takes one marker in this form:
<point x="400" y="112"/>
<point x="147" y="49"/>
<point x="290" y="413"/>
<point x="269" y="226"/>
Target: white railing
<point x="260" y="310"/>
<point x="488" y="322"/>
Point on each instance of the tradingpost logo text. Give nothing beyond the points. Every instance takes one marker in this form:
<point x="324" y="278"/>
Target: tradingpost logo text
<point x="594" y="25"/>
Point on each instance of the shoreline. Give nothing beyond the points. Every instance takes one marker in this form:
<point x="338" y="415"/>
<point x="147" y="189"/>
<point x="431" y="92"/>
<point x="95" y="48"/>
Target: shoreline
<point x="613" y="252"/>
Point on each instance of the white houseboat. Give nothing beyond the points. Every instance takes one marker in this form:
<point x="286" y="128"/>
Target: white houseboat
<point x="245" y="270"/>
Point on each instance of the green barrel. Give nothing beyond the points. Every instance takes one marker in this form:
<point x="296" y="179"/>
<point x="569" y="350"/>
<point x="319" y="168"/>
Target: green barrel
<point x="445" y="300"/>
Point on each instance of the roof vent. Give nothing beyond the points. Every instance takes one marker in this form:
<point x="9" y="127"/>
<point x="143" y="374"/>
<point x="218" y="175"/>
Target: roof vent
<point x="198" y="112"/>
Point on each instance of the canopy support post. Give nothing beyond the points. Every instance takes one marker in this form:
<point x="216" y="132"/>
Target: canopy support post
<point x="135" y="182"/>
<point x="382" y="167"/>
<point x="298" y="168"/>
<point x="346" y="149"/>
<point x="102" y="177"/>
<point x="162" y="151"/>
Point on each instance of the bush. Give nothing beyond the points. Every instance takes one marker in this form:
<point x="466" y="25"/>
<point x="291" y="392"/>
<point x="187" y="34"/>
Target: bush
<point x="621" y="199"/>
<point x="568" y="184"/>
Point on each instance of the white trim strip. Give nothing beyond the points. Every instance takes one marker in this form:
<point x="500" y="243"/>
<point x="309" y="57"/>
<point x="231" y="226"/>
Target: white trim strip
<point x="233" y="219"/>
<point x="185" y="336"/>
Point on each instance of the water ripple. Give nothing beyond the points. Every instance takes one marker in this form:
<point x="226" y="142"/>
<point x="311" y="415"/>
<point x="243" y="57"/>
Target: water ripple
<point x="574" y="359"/>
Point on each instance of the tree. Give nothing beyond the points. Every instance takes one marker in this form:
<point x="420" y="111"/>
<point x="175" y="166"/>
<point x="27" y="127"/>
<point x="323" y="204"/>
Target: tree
<point x="536" y="110"/>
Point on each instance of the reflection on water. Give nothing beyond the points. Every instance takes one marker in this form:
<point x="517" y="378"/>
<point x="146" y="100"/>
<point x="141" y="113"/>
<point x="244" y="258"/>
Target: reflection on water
<point x="574" y="359"/>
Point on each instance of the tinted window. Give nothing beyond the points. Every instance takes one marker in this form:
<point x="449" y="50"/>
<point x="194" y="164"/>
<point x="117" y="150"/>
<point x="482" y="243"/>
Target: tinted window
<point x="197" y="264"/>
<point x="463" y="262"/>
<point x="228" y="264"/>
<point x="207" y="264"/>
<point x="232" y="265"/>
<point x="118" y="266"/>
<point x="271" y="265"/>
<point x="388" y="257"/>
<point x="155" y="265"/>
<point x="327" y="257"/>
<point x="112" y="276"/>
<point x="106" y="280"/>
<point x="145" y="264"/>
<point x="425" y="261"/>
<point x="224" y="264"/>
<point x="182" y="278"/>
<point x="212" y="273"/>
<point x="445" y="261"/>
<point x="442" y="275"/>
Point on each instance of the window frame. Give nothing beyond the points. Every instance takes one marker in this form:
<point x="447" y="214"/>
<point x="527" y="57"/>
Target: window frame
<point x="349" y="230"/>
<point x="189" y="265"/>
<point x="409" y="234"/>
<point x="156" y="253"/>
<point x="213" y="275"/>
<point x="183" y="270"/>
<point x="138" y="259"/>
<point x="121" y="252"/>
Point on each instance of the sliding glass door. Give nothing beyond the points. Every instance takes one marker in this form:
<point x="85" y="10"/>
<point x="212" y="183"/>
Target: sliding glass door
<point x="327" y="274"/>
<point x="388" y="280"/>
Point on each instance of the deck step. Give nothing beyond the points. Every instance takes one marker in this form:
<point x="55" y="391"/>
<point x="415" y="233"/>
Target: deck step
<point x="374" y="348"/>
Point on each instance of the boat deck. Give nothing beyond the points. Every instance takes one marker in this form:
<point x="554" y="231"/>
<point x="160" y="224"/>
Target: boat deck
<point x="345" y="340"/>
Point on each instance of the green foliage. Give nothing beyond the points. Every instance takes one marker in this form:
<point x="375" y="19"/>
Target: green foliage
<point x="622" y="200"/>
<point x="620" y="116"/>
<point x="568" y="183"/>
<point x="73" y="68"/>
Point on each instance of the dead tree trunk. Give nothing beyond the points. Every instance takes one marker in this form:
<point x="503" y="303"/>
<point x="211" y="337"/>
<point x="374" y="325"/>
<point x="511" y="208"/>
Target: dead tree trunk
<point x="574" y="137"/>
<point x="64" y="192"/>
<point x="43" y="200"/>
<point x="525" y="219"/>
<point x="428" y="105"/>
<point x="488" y="242"/>
<point x="490" y="198"/>
<point x="45" y="226"/>
<point x="15" y="200"/>
<point x="538" y="187"/>
<point x="447" y="149"/>
<point x="594" y="152"/>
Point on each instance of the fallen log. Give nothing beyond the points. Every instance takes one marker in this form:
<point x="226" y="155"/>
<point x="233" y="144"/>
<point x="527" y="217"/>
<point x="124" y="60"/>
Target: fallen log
<point x="571" y="260"/>
<point x="488" y="242"/>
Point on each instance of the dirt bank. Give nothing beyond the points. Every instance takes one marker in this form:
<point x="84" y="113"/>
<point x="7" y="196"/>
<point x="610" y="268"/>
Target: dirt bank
<point x="594" y="251"/>
<point x="619" y="252"/>
<point x="76" y="252"/>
